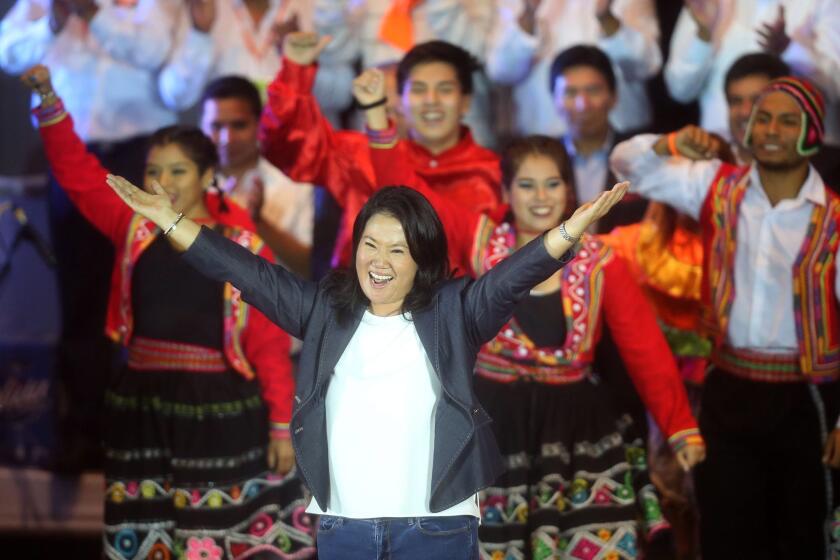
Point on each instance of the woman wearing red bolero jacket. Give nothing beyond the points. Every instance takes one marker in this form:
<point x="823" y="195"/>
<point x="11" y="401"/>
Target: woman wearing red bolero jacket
<point x="196" y="421"/>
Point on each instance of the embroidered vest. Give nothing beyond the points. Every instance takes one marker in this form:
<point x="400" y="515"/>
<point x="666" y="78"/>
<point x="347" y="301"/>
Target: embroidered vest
<point x="814" y="272"/>
<point x="511" y="354"/>
<point x="141" y="232"/>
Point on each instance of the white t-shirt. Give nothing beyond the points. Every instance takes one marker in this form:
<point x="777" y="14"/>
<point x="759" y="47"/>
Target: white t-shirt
<point x="380" y="425"/>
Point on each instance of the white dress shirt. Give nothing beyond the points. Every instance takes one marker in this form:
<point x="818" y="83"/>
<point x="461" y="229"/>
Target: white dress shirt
<point x="236" y="45"/>
<point x="286" y="204"/>
<point x="522" y="60"/>
<point x="381" y="406"/>
<point x="105" y="71"/>
<point x="696" y="69"/>
<point x="769" y="238"/>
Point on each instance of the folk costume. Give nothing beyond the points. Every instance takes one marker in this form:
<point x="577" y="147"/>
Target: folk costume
<point x="296" y="137"/>
<point x="665" y="257"/>
<point x="207" y="378"/>
<point x="576" y="481"/>
<point x="770" y="307"/>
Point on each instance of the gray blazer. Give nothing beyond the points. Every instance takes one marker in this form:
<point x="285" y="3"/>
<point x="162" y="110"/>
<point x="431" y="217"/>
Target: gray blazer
<point x="463" y="315"/>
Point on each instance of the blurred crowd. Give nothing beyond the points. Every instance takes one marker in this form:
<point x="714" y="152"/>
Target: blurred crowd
<point x="309" y="106"/>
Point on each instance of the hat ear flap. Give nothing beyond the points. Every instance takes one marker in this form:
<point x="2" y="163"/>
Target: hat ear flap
<point x="748" y="132"/>
<point x="809" y="141"/>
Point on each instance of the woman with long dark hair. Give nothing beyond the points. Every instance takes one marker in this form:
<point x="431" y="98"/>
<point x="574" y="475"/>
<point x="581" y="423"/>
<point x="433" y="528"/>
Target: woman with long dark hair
<point x="388" y="433"/>
<point x="577" y="482"/>
<point x="196" y="422"/>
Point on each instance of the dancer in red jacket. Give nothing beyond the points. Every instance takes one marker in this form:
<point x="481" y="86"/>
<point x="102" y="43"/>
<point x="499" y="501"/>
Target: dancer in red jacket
<point x="193" y="457"/>
<point x="435" y="84"/>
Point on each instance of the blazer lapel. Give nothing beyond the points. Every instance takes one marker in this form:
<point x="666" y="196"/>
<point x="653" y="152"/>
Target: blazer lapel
<point x="424" y="322"/>
<point x="336" y="339"/>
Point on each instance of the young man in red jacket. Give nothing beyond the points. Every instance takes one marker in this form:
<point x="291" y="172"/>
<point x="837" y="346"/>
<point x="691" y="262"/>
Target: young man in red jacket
<point x="435" y="86"/>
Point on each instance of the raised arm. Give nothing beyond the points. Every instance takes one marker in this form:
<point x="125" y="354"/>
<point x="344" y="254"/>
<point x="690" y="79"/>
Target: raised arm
<point x="676" y="169"/>
<point x="188" y="69"/>
<point x="632" y="41"/>
<point x="139" y="36"/>
<point x="392" y="166"/>
<point x="27" y="31"/>
<point x="692" y="52"/>
<point x="649" y="361"/>
<point x="513" y="45"/>
<point x="78" y="171"/>
<point x="282" y="296"/>
<point x="296" y="137"/>
<point x="466" y="23"/>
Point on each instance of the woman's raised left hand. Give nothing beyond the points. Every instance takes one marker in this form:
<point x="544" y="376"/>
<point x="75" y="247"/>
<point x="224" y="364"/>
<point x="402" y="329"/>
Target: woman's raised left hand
<point x="557" y="241"/>
<point x="156" y="206"/>
<point x="591" y="212"/>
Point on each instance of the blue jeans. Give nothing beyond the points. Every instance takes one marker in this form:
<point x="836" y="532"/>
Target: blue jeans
<point x="398" y="538"/>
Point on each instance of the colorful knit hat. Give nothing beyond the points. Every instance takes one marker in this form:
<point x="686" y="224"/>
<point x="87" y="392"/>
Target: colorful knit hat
<point x="810" y="100"/>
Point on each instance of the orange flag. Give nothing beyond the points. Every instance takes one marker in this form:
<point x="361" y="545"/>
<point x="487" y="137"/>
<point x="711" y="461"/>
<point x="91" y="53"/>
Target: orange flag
<point x="396" y="28"/>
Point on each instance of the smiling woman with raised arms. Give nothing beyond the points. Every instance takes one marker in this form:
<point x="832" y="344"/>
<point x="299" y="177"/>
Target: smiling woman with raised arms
<point x="387" y="430"/>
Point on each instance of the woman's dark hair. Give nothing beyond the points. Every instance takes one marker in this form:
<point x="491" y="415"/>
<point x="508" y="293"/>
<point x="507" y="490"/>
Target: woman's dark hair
<point x="439" y="51"/>
<point x="426" y="243"/>
<point x="195" y="145"/>
<point x="582" y="55"/>
<point x="538" y="145"/>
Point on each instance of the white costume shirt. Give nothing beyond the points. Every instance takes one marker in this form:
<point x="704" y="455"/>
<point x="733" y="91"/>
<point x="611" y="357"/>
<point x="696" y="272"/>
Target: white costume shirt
<point x="105" y="71"/>
<point x="523" y="61"/>
<point x="381" y="406"/>
<point x="236" y="46"/>
<point x="287" y="205"/>
<point x="696" y="69"/>
<point x="769" y="238"/>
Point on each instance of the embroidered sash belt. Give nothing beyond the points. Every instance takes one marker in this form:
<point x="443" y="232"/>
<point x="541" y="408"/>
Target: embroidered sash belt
<point x="147" y="354"/>
<point x="501" y="370"/>
<point x="758" y="366"/>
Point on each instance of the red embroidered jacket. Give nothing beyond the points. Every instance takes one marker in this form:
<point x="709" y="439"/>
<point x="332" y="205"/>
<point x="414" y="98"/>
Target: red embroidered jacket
<point x="253" y="345"/>
<point x="296" y="138"/>
<point x="597" y="286"/>
<point x="815" y="309"/>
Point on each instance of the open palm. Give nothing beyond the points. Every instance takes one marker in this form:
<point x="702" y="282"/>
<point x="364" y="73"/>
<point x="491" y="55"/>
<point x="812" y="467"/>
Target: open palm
<point x="155" y="206"/>
<point x="591" y="212"/>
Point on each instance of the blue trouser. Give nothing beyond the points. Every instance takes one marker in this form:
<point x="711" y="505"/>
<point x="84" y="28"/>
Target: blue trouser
<point x="398" y="538"/>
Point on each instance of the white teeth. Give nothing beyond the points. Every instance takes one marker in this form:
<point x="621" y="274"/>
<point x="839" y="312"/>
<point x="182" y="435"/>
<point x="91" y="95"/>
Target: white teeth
<point x="380" y="277"/>
<point x="772" y="147"/>
<point x="541" y="211"/>
<point x="434" y="117"/>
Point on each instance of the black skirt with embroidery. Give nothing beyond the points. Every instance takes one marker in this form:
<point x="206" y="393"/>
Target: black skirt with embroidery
<point x="576" y="484"/>
<point x="186" y="436"/>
